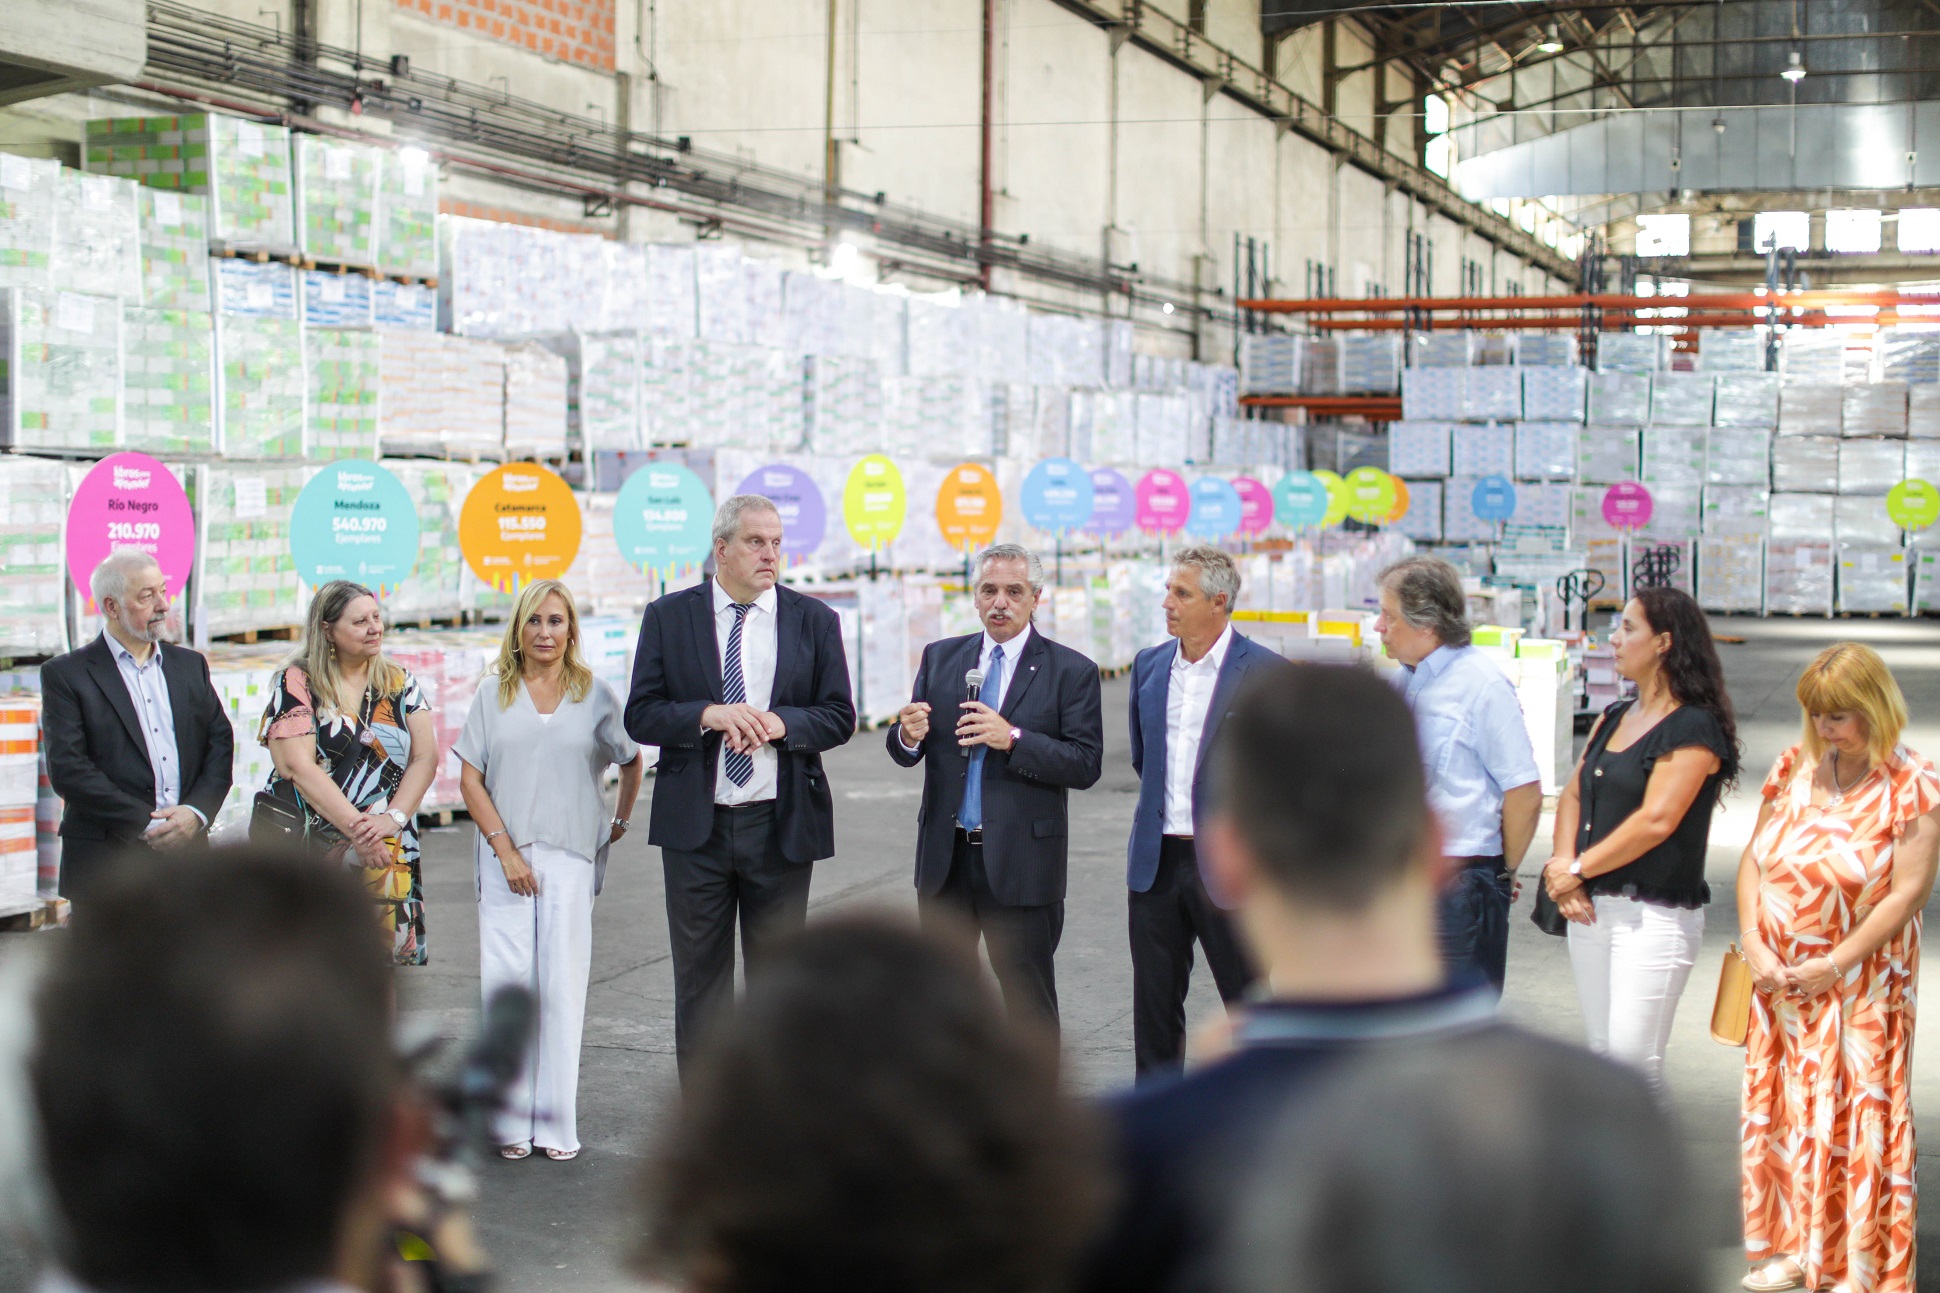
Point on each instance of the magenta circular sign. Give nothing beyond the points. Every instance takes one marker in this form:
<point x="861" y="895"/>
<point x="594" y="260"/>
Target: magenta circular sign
<point x="1627" y="506"/>
<point x="804" y="514"/>
<point x="1255" y="505"/>
<point x="1162" y="503"/>
<point x="128" y="500"/>
<point x="1113" y="508"/>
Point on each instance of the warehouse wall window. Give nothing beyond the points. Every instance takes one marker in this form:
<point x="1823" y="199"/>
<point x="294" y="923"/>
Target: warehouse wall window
<point x="1664" y="235"/>
<point x="1852" y="231"/>
<point x="1438" y="153"/>
<point x="1920" y="229"/>
<point x="1787" y="228"/>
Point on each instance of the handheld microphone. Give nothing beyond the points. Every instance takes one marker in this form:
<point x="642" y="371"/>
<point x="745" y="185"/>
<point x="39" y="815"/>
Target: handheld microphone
<point x="972" y="690"/>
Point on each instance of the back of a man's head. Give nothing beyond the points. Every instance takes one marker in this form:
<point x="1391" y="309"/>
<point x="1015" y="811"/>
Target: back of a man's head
<point x="870" y="1121"/>
<point x="1319" y="774"/>
<point x="1495" y="1162"/>
<point x="213" y="1075"/>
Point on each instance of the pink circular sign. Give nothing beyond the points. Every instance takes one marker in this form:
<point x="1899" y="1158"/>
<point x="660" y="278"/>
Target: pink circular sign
<point x="129" y="500"/>
<point x="1255" y="505"/>
<point x="1627" y="506"/>
<point x="1163" y="504"/>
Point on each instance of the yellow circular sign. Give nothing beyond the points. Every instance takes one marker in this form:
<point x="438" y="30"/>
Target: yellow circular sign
<point x="873" y="502"/>
<point x="1337" y="497"/>
<point x="968" y="507"/>
<point x="520" y="523"/>
<point x="1370" y="495"/>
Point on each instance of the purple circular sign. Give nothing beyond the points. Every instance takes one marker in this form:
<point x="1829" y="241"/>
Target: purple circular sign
<point x="804" y="516"/>
<point x="1112" y="506"/>
<point x="1255" y="505"/>
<point x="1163" y="503"/>
<point x="1627" y="505"/>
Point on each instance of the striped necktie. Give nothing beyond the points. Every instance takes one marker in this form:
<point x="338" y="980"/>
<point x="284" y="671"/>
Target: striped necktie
<point x="734" y="689"/>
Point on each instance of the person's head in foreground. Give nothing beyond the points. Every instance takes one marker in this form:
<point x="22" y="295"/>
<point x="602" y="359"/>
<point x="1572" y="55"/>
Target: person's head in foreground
<point x="1496" y="1162"/>
<point x="870" y="1121"/>
<point x="1321" y="835"/>
<point x="218" y="1104"/>
<point x="1852" y="706"/>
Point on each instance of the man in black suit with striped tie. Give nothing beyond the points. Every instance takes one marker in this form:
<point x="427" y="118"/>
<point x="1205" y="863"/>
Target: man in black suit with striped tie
<point x="743" y="684"/>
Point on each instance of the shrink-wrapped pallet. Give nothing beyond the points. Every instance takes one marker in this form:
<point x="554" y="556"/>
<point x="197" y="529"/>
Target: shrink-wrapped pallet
<point x="60" y="387"/>
<point x="1554" y="394"/>
<point x="1422" y="522"/>
<point x="1606" y="455"/>
<point x="1731" y="573"/>
<point x="245" y="574"/>
<point x="1862" y="519"/>
<point x="1433" y="394"/>
<point x="1798" y="576"/>
<point x="97" y="235"/>
<point x="1492" y="394"/>
<point x="1675" y="512"/>
<point x="174" y="232"/>
<point x="1682" y="399"/>
<point x="437" y="491"/>
<point x="1445" y="349"/>
<point x="1632" y="352"/>
<point x="1874" y="409"/>
<point x="403" y="307"/>
<point x="1871" y="466"/>
<point x="1618" y="398"/>
<point x="1805" y="465"/>
<point x="344" y="370"/>
<point x="260" y="387"/>
<point x="1419" y="449"/>
<point x="333" y="300"/>
<point x="1731" y="350"/>
<point x="1810" y="408"/>
<point x="1813" y="356"/>
<point x="33" y="573"/>
<point x="1746" y="400"/>
<point x="241" y="166"/>
<point x="1737" y="509"/>
<point x="1269" y="363"/>
<point x="1485" y="449"/>
<point x="1737" y="456"/>
<point x="407" y="213"/>
<point x="1872" y="579"/>
<point x="336" y="200"/>
<point x="603" y="389"/>
<point x="27" y="220"/>
<point x="440" y="395"/>
<point x="1544" y="349"/>
<point x="1802" y="516"/>
<point x="1672" y="455"/>
<point x="1370" y="365"/>
<point x="536" y="402"/>
<point x="168" y="381"/>
<point x="670" y="290"/>
<point x="265" y="290"/>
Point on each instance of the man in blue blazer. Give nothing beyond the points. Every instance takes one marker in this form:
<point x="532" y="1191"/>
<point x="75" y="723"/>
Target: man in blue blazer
<point x="1010" y="722"/>
<point x="1180" y="693"/>
<point x="743" y="684"/>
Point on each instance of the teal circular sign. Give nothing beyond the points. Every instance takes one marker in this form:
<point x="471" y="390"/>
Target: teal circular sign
<point x="1301" y="500"/>
<point x="1216" y="510"/>
<point x="355" y="521"/>
<point x="663" y="518"/>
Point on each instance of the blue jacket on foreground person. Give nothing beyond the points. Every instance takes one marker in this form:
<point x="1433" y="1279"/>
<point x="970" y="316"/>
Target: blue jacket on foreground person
<point x="1321" y="836"/>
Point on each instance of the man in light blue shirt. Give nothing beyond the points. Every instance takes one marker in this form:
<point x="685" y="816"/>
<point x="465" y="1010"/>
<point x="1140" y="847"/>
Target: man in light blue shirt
<point x="1483" y="782"/>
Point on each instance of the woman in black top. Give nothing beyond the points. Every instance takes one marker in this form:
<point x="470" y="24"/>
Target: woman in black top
<point x="1632" y="825"/>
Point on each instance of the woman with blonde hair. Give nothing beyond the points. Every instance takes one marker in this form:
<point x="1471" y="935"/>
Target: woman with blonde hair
<point x="1830" y="891"/>
<point x="535" y="748"/>
<point x="350" y="736"/>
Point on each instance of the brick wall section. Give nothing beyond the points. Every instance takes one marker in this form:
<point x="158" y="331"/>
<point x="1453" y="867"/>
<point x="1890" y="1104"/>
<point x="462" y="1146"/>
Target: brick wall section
<point x="573" y="31"/>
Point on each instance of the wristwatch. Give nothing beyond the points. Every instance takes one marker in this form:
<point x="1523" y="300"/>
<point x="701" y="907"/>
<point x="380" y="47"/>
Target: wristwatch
<point x="402" y="819"/>
<point x="1016" y="735"/>
<point x="1576" y="867"/>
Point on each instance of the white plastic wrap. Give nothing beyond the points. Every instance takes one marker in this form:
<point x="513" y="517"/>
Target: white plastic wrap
<point x="1672" y="455"/>
<point x="1422" y="521"/>
<point x="1737" y="509"/>
<point x="1809" y="408"/>
<point x="245" y="574"/>
<point x="1632" y="352"/>
<point x="263" y="290"/>
<point x="440" y="395"/>
<point x="1862" y="519"/>
<point x="168" y="381"/>
<point x="1433" y="394"/>
<point x="1269" y="363"/>
<point x="1606" y="455"/>
<point x="1731" y="350"/>
<point x="1871" y="466"/>
<point x="407" y="213"/>
<point x="27" y="220"/>
<point x="1681" y="399"/>
<point x="1487" y="449"/>
<point x="1731" y="573"/>
<point x="336" y="200"/>
<point x="1370" y="365"/>
<point x="260" y="387"/>
<point x="1618" y="398"/>
<point x="1492" y="394"/>
<point x="536" y="402"/>
<point x="1805" y="465"/>
<point x="33" y="577"/>
<point x="343" y="380"/>
<point x="61" y="384"/>
<point x="1878" y="409"/>
<point x="1419" y="449"/>
<point x="1746" y="400"/>
<point x="1737" y="456"/>
<point x="242" y="166"/>
<point x="1798" y="576"/>
<point x="1554" y="394"/>
<point x="1872" y="579"/>
<point x="1802" y="517"/>
<point x="97" y="235"/>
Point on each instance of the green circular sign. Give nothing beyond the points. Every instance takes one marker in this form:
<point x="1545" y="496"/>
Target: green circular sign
<point x="1913" y="504"/>
<point x="1370" y="494"/>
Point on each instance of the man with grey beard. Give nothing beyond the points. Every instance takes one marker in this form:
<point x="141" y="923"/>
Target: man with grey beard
<point x="137" y="742"/>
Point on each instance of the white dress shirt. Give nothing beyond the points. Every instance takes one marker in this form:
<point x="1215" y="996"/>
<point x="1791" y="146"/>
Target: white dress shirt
<point x="1474" y="745"/>
<point x="1013" y="649"/>
<point x="148" y="689"/>
<point x="1188" y="695"/>
<point x="758" y="678"/>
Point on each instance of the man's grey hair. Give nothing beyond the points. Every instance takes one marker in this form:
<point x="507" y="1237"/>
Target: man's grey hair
<point x="727" y="518"/>
<point x="1429" y="593"/>
<point x="1033" y="568"/>
<point x="110" y="578"/>
<point x="1218" y="573"/>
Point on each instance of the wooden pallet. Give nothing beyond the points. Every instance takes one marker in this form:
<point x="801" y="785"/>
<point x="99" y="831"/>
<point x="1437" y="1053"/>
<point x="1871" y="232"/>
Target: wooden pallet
<point x="46" y="913"/>
<point x="272" y="633"/>
<point x="300" y="261"/>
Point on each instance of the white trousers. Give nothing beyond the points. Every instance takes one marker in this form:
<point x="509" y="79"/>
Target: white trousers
<point x="1631" y="967"/>
<point x="544" y="944"/>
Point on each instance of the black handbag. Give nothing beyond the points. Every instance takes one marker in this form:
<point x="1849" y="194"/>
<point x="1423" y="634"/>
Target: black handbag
<point x="274" y="820"/>
<point x="1545" y="915"/>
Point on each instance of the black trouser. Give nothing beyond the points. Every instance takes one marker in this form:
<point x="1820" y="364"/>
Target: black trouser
<point x="1022" y="941"/>
<point x="1165" y="920"/>
<point x="87" y="863"/>
<point x="1474" y="918"/>
<point x="739" y="872"/>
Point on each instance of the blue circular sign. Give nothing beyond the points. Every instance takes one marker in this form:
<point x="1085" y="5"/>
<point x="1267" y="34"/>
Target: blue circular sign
<point x="1494" y="499"/>
<point x="355" y="521"/>
<point x="663" y="518"/>
<point x="1057" y="496"/>
<point x="1301" y="500"/>
<point x="1216" y="509"/>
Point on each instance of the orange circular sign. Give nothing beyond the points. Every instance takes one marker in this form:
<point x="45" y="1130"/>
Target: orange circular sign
<point x="520" y="523"/>
<point x="1401" y="503"/>
<point x="968" y="507"/>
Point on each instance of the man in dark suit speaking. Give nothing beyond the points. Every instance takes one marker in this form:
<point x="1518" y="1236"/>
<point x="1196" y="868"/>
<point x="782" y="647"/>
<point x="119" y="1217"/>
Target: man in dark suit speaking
<point x="743" y="685"/>
<point x="1010" y="723"/>
<point x="1181" y="692"/>
<point x="138" y="743"/>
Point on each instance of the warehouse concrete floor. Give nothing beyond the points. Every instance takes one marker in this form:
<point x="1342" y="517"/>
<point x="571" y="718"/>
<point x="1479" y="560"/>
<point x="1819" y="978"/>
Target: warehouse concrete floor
<point x="553" y="1225"/>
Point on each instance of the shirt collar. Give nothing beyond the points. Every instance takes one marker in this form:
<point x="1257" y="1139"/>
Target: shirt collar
<point x="1469" y="1002"/>
<point x="121" y="652"/>
<point x="1214" y="660"/>
<point x="765" y="602"/>
<point x="1012" y="649"/>
<point x="1437" y="660"/>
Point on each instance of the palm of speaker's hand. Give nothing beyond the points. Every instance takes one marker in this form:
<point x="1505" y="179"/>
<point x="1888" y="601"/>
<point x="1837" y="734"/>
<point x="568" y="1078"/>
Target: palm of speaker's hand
<point x="982" y="725"/>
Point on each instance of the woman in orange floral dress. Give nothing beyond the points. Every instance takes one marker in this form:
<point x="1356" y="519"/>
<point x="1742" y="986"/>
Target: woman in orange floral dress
<point x="1829" y="898"/>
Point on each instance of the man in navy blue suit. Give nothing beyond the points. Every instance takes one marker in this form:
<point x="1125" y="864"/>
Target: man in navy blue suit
<point x="1010" y="722"/>
<point x="743" y="685"/>
<point x="1181" y="691"/>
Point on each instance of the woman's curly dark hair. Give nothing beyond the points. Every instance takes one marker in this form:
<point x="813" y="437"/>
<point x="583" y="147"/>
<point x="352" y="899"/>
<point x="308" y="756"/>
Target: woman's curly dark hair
<point x="1691" y="667"/>
<point x="869" y="1121"/>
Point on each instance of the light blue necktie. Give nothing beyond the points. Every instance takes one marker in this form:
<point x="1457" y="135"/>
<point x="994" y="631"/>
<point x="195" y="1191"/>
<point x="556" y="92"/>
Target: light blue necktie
<point x="970" y="816"/>
<point x="734" y="690"/>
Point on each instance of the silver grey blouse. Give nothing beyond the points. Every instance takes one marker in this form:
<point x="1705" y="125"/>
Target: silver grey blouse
<point x="544" y="773"/>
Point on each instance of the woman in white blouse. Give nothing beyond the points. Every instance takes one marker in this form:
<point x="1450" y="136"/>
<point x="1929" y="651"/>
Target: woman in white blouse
<point x="535" y="748"/>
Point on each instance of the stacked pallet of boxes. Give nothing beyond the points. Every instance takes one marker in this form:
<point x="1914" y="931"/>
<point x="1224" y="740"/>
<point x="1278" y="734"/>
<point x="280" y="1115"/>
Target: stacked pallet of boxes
<point x="19" y="792"/>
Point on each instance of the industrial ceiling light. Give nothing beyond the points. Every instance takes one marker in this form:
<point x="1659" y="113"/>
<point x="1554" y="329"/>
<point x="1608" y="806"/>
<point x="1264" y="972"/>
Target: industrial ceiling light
<point x="1794" y="67"/>
<point x="1717" y="124"/>
<point x="1167" y="307"/>
<point x="1552" y="42"/>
